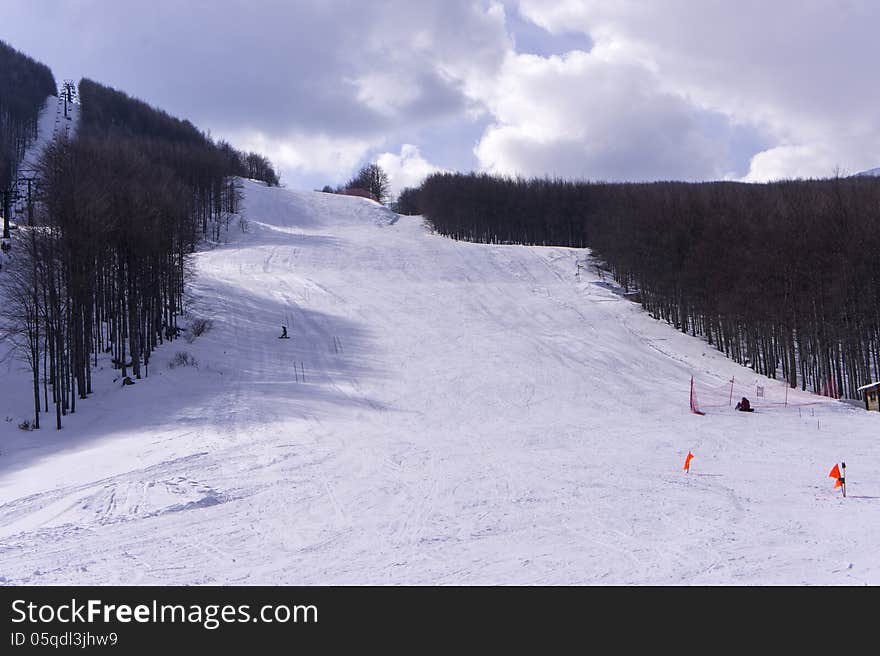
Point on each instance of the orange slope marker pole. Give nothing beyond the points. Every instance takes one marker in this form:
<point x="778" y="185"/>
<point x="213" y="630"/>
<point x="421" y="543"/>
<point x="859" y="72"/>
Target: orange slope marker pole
<point x="839" y="481"/>
<point x="687" y="463"/>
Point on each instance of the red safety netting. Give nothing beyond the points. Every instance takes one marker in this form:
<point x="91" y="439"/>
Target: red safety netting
<point x="762" y="394"/>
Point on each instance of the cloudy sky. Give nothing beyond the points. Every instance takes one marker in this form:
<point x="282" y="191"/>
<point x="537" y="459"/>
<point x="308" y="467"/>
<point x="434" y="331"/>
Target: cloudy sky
<point x="601" y="90"/>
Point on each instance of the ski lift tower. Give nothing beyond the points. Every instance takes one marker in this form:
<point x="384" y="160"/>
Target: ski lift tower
<point x="68" y="94"/>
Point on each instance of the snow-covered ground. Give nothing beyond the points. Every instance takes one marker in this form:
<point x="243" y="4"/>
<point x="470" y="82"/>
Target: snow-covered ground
<point x="444" y="412"/>
<point x="52" y="124"/>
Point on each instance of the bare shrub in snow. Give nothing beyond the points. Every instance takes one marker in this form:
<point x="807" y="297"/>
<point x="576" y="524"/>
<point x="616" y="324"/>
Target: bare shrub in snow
<point x="197" y="328"/>
<point x="183" y="359"/>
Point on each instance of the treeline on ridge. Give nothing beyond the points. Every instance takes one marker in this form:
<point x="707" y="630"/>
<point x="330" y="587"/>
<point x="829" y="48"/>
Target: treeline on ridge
<point x="783" y="277"/>
<point x="109" y="112"/>
<point x="101" y="265"/>
<point x="24" y="86"/>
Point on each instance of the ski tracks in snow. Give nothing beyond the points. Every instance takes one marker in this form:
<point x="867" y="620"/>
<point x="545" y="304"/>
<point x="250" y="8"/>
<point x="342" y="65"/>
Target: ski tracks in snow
<point x="443" y="412"/>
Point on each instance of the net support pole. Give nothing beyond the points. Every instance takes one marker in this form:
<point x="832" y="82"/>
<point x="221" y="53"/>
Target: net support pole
<point x="694" y="408"/>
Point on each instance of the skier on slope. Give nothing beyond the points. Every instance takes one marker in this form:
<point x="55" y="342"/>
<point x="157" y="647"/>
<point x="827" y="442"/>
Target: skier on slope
<point x="744" y="405"/>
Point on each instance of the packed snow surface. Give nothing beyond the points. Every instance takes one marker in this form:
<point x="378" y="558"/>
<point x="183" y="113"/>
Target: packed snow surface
<point x="443" y="413"/>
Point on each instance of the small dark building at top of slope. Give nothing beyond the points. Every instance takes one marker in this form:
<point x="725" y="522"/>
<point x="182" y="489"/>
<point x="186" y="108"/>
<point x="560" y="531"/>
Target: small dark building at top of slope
<point x="872" y="396"/>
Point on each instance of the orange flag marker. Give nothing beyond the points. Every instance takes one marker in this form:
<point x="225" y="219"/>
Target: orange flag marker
<point x="839" y="480"/>
<point x="687" y="461"/>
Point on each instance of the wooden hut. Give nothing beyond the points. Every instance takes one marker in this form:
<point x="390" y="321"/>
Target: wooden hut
<point x="872" y="396"/>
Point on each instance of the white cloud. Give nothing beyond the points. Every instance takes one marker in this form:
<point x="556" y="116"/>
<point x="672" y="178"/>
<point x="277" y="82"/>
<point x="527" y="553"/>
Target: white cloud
<point x="322" y="73"/>
<point x="407" y="169"/>
<point x="801" y="72"/>
<point x="386" y="93"/>
<point x="671" y="88"/>
<point x="295" y="154"/>
<point x="813" y="160"/>
<point x="597" y="115"/>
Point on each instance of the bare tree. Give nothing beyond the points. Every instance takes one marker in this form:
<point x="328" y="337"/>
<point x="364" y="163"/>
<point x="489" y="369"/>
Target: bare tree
<point x="372" y="178"/>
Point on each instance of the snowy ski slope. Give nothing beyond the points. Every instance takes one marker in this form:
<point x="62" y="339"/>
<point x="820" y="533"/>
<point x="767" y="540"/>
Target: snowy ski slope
<point x="443" y="413"/>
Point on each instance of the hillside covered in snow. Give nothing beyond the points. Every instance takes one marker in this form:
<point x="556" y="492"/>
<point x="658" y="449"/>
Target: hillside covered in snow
<point x="442" y="412"/>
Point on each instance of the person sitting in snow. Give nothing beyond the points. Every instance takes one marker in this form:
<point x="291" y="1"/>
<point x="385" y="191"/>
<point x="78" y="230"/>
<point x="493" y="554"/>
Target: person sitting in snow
<point x="744" y="405"/>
